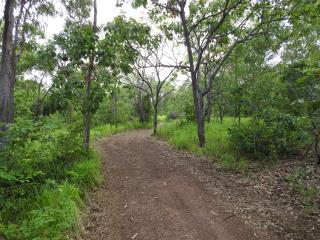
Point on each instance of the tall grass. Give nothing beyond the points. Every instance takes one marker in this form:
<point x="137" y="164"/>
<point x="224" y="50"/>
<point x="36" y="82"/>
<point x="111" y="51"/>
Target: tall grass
<point x="184" y="136"/>
<point x="108" y="129"/>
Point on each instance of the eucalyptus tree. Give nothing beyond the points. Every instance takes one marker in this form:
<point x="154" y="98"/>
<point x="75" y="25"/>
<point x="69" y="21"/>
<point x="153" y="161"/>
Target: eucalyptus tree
<point x="210" y="31"/>
<point x="150" y="76"/>
<point x="92" y="62"/>
<point x="21" y="23"/>
<point x="6" y="95"/>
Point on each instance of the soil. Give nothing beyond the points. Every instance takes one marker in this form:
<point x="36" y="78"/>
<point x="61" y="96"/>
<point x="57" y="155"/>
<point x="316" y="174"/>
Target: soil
<point x="153" y="191"/>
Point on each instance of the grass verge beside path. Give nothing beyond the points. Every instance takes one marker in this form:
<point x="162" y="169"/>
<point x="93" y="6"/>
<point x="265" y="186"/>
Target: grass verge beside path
<point x="108" y="129"/>
<point x="184" y="136"/>
<point x="45" y="177"/>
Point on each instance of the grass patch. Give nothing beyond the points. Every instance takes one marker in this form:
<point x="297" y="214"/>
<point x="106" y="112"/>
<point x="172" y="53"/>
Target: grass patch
<point x="108" y="129"/>
<point x="50" y="214"/>
<point x="184" y="136"/>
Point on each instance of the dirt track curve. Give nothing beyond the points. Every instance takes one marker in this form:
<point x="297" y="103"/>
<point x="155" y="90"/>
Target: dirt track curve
<point x="149" y="195"/>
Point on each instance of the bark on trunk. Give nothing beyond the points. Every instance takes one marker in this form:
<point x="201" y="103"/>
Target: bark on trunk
<point x="316" y="149"/>
<point x="115" y="108"/>
<point x="6" y="71"/>
<point x="199" y="114"/>
<point x="86" y="130"/>
<point x="208" y="111"/>
<point x="140" y="107"/>
<point x="221" y="113"/>
<point x="221" y="107"/>
<point x="155" y="119"/>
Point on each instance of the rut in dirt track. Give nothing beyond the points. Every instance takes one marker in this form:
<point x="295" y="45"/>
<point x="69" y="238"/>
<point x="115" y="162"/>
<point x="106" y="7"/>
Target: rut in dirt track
<point x="148" y="196"/>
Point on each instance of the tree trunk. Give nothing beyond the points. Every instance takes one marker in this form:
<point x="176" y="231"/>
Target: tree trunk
<point x="89" y="77"/>
<point x="208" y="111"/>
<point x="115" y="108"/>
<point x="6" y="71"/>
<point x="221" y="113"/>
<point x="155" y="119"/>
<point x="316" y="141"/>
<point x="316" y="148"/>
<point x="140" y="107"/>
<point x="221" y="107"/>
<point x="86" y="111"/>
<point x="197" y="95"/>
<point x="199" y="114"/>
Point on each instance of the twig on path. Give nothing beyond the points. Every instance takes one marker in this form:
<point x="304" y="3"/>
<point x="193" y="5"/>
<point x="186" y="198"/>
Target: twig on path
<point x="230" y="216"/>
<point x="214" y="213"/>
<point x="134" y="236"/>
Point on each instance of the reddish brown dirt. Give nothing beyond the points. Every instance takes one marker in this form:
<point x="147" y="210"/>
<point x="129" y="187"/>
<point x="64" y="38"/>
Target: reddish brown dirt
<point x="152" y="193"/>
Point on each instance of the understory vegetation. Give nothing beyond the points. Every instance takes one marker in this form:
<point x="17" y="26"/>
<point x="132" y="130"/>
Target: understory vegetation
<point x="183" y="135"/>
<point x="45" y="176"/>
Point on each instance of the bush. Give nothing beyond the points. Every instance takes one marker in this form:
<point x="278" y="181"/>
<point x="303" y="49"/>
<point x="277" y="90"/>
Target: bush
<point x="274" y="134"/>
<point x="173" y="115"/>
<point x="86" y="173"/>
<point x="189" y="112"/>
<point x="55" y="210"/>
<point x="43" y="173"/>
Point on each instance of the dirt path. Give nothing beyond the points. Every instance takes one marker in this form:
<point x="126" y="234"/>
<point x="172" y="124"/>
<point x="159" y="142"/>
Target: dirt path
<point x="148" y="195"/>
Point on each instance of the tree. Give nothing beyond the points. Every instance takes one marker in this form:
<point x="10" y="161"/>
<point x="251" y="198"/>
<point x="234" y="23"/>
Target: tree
<point x="15" y="33"/>
<point x="152" y="78"/>
<point x="210" y="32"/>
<point x="6" y="93"/>
<point x="92" y="63"/>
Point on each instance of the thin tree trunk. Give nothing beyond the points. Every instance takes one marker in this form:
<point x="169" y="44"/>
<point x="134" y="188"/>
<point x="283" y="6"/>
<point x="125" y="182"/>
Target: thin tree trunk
<point x="6" y="71"/>
<point x="221" y="107"/>
<point x="316" y="147"/>
<point x="199" y="114"/>
<point x="114" y="108"/>
<point x="209" y="107"/>
<point x="316" y="141"/>
<point x="89" y="77"/>
<point x="155" y="119"/>
<point x="86" y="110"/>
<point x="221" y="114"/>
<point x="197" y="95"/>
<point x="38" y="104"/>
<point x="140" y="107"/>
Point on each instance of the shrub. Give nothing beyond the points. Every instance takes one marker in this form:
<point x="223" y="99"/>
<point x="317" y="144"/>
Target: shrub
<point x="173" y="115"/>
<point x="274" y="134"/>
<point x="43" y="172"/>
<point x="87" y="172"/>
<point x="183" y="134"/>
<point x="189" y="112"/>
<point x="56" y="209"/>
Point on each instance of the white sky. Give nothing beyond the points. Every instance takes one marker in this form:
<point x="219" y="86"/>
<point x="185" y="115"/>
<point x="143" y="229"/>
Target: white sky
<point x="107" y="10"/>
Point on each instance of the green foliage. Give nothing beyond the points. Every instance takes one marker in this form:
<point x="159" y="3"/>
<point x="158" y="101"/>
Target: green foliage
<point x="230" y="162"/>
<point x="306" y="193"/>
<point x="25" y="92"/>
<point x="189" y="112"/>
<point x="43" y="173"/>
<point x="108" y="129"/>
<point x="86" y="173"/>
<point x="56" y="209"/>
<point x="274" y="134"/>
<point x="183" y="135"/>
<point x="117" y="109"/>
